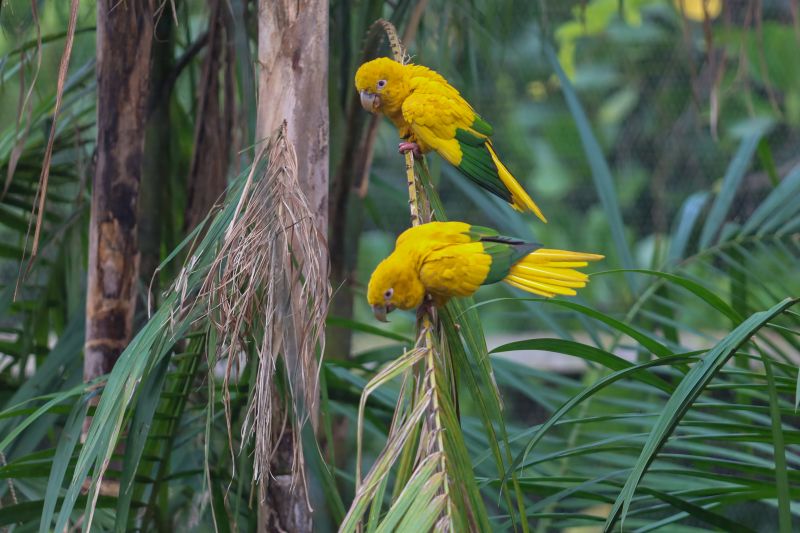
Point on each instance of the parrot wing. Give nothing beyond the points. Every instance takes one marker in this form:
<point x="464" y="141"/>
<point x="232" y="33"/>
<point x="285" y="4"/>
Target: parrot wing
<point x="504" y="251"/>
<point x="530" y="267"/>
<point x="504" y="256"/>
<point x="456" y="270"/>
<point x="445" y="122"/>
<point x="440" y="119"/>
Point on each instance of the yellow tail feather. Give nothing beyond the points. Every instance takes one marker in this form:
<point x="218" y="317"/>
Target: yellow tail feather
<point x="520" y="200"/>
<point x="550" y="272"/>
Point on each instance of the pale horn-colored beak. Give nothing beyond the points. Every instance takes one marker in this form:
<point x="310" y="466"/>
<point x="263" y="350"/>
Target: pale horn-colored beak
<point x="370" y="101"/>
<point x="380" y="312"/>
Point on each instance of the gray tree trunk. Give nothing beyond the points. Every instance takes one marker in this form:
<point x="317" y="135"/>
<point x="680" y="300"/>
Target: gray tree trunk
<point x="293" y="86"/>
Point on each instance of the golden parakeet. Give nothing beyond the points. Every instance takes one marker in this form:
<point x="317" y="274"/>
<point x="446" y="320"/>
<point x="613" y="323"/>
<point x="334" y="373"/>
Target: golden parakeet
<point x="430" y="114"/>
<point x="446" y="259"/>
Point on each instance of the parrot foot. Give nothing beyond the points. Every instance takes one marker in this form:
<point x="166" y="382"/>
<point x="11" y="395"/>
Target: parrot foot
<point x="427" y="308"/>
<point x="404" y="147"/>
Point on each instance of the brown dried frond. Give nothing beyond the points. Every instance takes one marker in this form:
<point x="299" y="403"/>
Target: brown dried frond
<point x="268" y="291"/>
<point x="41" y="190"/>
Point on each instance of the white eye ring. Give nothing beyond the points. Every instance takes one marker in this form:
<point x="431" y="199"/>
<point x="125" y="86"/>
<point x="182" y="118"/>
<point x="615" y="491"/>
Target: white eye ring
<point x="388" y="294"/>
<point x="381" y="84"/>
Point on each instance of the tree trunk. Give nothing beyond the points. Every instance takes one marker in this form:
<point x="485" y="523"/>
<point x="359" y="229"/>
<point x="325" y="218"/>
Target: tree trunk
<point x="214" y="120"/>
<point x="124" y="40"/>
<point x="293" y="86"/>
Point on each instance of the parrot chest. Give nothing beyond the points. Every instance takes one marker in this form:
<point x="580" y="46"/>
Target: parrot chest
<point x="406" y="132"/>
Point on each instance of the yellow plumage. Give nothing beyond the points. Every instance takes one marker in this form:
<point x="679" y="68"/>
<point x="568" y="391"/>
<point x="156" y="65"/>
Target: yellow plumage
<point x="447" y="259"/>
<point x="431" y="113"/>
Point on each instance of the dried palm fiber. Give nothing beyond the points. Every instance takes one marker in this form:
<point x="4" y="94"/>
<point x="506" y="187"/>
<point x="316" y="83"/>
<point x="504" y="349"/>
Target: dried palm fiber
<point x="269" y="294"/>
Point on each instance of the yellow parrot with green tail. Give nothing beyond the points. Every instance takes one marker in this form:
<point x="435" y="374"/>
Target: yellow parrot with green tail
<point x="436" y="261"/>
<point x="430" y="114"/>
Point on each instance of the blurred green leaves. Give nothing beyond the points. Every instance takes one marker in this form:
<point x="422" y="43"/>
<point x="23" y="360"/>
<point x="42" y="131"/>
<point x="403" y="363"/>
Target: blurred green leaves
<point x="619" y="399"/>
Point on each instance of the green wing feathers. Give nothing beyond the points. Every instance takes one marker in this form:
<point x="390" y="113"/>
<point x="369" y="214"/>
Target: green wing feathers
<point x="482" y="127"/>
<point x="479" y="162"/>
<point x="504" y="255"/>
<point x="550" y="272"/>
<point x="530" y="267"/>
<point x="504" y="251"/>
<point x="478" y="233"/>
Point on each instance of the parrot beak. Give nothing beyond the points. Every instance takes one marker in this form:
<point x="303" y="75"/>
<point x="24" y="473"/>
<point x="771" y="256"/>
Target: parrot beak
<point x="370" y="101"/>
<point x="380" y="312"/>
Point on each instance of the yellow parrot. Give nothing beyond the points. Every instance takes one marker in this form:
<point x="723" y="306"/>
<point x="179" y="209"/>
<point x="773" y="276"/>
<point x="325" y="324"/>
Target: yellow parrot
<point x="446" y="259"/>
<point x="430" y="114"/>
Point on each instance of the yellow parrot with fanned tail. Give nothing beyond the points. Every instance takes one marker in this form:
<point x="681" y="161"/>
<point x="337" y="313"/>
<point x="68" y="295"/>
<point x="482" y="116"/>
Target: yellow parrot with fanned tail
<point x="430" y="114"/>
<point x="439" y="260"/>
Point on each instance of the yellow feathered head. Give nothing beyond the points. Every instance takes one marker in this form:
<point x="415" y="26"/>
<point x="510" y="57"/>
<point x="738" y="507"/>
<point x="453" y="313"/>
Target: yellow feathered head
<point x="394" y="284"/>
<point x="382" y="85"/>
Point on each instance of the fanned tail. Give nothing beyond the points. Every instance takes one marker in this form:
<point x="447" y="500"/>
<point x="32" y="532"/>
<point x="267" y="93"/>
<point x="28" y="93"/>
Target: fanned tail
<point x="550" y="272"/>
<point x="520" y="200"/>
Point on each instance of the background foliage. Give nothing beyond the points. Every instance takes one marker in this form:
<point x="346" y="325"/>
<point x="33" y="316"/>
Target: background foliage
<point x="667" y="390"/>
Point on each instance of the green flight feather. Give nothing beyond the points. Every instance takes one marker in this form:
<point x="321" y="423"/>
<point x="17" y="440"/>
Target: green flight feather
<point x="478" y="233"/>
<point x="505" y="253"/>
<point x="467" y="137"/>
<point x="482" y="127"/>
<point x="477" y="164"/>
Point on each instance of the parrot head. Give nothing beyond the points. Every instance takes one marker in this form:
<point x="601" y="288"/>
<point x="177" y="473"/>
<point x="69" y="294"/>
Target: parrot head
<point x="381" y="84"/>
<point x="394" y="285"/>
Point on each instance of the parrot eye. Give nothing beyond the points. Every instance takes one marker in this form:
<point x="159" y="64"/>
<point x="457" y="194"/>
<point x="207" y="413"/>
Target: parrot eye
<point x="388" y="294"/>
<point x="381" y="84"/>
